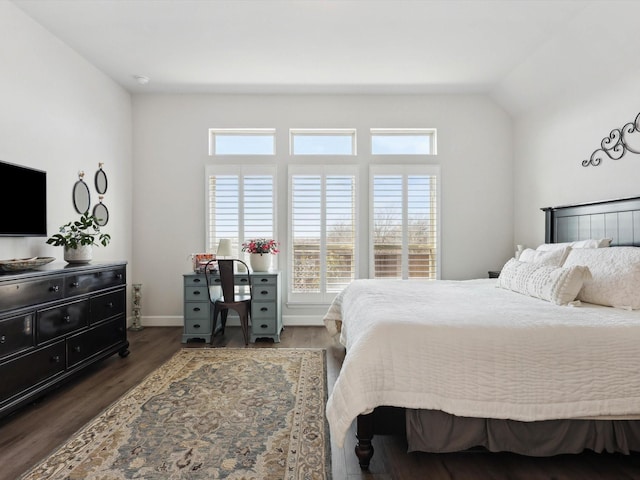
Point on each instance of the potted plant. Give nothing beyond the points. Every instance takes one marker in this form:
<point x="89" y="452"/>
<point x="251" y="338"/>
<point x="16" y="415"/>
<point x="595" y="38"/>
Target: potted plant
<point x="78" y="237"/>
<point x="260" y="250"/>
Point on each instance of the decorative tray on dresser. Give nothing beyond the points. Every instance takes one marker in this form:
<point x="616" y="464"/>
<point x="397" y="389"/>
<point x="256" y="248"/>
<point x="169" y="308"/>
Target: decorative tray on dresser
<point x="55" y="320"/>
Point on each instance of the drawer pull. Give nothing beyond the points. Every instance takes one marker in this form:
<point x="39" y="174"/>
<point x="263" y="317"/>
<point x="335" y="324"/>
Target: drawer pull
<point x="264" y="292"/>
<point x="77" y="349"/>
<point x="264" y="280"/>
<point x="217" y="280"/>
<point x="55" y="359"/>
<point x="67" y="318"/>
<point x="119" y="276"/>
<point x="196" y="292"/>
<point x="264" y="325"/>
<point x="264" y="309"/>
<point x="3" y="339"/>
<point x="243" y="280"/>
<point x="110" y="305"/>
<point x="196" y="309"/>
<point x="196" y="325"/>
<point x="54" y="288"/>
<point x="75" y="284"/>
<point x="196" y="280"/>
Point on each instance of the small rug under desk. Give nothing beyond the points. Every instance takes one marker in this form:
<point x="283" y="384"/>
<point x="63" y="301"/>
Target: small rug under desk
<point x="209" y="413"/>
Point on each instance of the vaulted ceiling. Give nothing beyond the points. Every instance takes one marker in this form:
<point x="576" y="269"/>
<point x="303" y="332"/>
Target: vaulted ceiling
<point x="521" y="52"/>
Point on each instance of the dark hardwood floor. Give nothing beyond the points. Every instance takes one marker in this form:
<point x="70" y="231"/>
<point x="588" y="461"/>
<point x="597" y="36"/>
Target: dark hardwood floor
<point x="30" y="434"/>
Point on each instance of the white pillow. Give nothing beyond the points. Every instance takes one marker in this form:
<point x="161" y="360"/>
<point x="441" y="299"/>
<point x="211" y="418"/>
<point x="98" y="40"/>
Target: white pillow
<point x="553" y="257"/>
<point x="615" y="274"/>
<point x="591" y="243"/>
<point x="554" y="284"/>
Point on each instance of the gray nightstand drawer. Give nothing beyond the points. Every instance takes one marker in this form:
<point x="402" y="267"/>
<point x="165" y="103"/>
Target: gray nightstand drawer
<point x="257" y="280"/>
<point x="196" y="310"/>
<point x="196" y="294"/>
<point x="263" y="309"/>
<point x="195" y="326"/>
<point x="264" y="292"/>
<point x="266" y="326"/>
<point x="195" y="281"/>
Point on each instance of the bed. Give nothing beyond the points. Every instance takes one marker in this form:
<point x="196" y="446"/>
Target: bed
<point x="541" y="361"/>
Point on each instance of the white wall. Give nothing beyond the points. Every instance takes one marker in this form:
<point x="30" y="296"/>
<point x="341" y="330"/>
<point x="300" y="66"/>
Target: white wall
<point x="60" y="114"/>
<point x="171" y="152"/>
<point x="550" y="144"/>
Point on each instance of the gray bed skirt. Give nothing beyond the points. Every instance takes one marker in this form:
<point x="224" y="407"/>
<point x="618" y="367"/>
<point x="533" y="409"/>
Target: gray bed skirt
<point x="438" y="432"/>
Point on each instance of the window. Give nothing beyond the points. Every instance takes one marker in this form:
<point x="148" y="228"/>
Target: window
<point x="242" y="141"/>
<point x="306" y="141"/>
<point x="240" y="204"/>
<point x="411" y="141"/>
<point x="404" y="222"/>
<point x="322" y="231"/>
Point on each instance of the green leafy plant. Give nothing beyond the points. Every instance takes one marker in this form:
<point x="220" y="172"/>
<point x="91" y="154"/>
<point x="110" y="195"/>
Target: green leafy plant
<point x="85" y="231"/>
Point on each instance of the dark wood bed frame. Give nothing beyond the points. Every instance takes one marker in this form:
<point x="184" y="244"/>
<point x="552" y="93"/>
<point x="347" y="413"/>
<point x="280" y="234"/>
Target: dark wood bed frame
<point x="616" y="219"/>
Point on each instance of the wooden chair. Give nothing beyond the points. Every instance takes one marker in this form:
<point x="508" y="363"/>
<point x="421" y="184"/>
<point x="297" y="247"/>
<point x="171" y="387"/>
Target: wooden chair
<point x="241" y="303"/>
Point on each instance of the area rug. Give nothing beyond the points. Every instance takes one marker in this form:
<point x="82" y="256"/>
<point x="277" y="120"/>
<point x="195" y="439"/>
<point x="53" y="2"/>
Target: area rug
<point x="253" y="413"/>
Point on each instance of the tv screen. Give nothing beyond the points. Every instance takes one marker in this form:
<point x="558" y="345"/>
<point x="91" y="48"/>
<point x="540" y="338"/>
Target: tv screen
<point x="23" y="201"/>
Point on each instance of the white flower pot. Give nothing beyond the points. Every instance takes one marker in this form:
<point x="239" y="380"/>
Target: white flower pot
<point x="82" y="254"/>
<point x="260" y="262"/>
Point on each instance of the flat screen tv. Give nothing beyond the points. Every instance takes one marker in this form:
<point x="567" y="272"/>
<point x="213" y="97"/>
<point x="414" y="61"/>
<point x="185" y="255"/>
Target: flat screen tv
<point x="23" y="201"/>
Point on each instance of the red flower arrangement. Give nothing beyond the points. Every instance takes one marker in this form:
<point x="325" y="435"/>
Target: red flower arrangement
<point x="261" y="246"/>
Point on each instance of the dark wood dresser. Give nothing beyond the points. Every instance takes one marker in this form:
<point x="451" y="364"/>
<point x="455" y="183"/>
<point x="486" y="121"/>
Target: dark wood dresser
<point x="55" y="321"/>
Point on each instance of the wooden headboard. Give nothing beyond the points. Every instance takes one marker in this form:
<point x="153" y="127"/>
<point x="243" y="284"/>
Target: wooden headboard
<point x="616" y="219"/>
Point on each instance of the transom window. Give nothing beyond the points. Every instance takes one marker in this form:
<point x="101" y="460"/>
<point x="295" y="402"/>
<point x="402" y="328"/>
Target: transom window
<point x="394" y="141"/>
<point x="242" y="141"/>
<point x="307" y="141"/>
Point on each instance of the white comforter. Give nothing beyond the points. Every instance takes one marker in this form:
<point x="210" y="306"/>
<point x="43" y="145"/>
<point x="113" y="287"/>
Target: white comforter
<point x="472" y="349"/>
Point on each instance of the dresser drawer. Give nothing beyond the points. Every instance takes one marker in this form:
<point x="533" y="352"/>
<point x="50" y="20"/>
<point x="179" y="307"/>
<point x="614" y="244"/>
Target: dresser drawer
<point x="31" y="369"/>
<point x="90" y="282"/>
<point x="95" y="340"/>
<point x="263" y="310"/>
<point x="193" y="326"/>
<point x="264" y="292"/>
<point x="196" y="310"/>
<point x="195" y="281"/>
<point x="192" y="294"/>
<point x="257" y="280"/>
<point x="60" y="320"/>
<point x="16" y="334"/>
<point x="107" y="305"/>
<point x="22" y="294"/>
<point x="266" y="326"/>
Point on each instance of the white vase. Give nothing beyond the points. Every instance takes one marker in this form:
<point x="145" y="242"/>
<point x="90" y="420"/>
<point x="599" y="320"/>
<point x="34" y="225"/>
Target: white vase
<point x="260" y="262"/>
<point x="82" y="254"/>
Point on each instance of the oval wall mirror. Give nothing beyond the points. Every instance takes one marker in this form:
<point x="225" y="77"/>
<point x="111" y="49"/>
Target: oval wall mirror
<point x="81" y="197"/>
<point x="101" y="213"/>
<point x="101" y="181"/>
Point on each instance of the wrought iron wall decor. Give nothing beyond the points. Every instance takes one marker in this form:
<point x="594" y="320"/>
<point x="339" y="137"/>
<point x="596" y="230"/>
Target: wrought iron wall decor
<point x="619" y="142"/>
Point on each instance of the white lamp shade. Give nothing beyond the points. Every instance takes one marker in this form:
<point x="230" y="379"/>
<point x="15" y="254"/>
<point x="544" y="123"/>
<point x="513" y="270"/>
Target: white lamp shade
<point x="224" y="248"/>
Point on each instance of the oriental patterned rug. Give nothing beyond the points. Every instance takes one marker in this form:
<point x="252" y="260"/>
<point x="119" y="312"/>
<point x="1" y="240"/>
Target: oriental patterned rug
<point x="209" y="414"/>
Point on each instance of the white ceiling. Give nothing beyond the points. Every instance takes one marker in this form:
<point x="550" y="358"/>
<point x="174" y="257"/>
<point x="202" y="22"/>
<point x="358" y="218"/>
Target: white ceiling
<point x="522" y="52"/>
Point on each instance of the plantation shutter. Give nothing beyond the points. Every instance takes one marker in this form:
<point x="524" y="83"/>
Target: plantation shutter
<point x="240" y="206"/>
<point x="404" y="221"/>
<point x="322" y="232"/>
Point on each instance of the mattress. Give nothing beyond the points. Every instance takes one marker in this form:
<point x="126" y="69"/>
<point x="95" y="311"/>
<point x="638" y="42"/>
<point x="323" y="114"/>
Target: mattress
<point x="470" y="349"/>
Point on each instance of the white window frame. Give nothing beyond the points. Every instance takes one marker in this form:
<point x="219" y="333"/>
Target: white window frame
<point x="320" y="132"/>
<point x="428" y="132"/>
<point x="266" y="132"/>
<point x="404" y="170"/>
<point x="241" y="171"/>
<point x="323" y="297"/>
